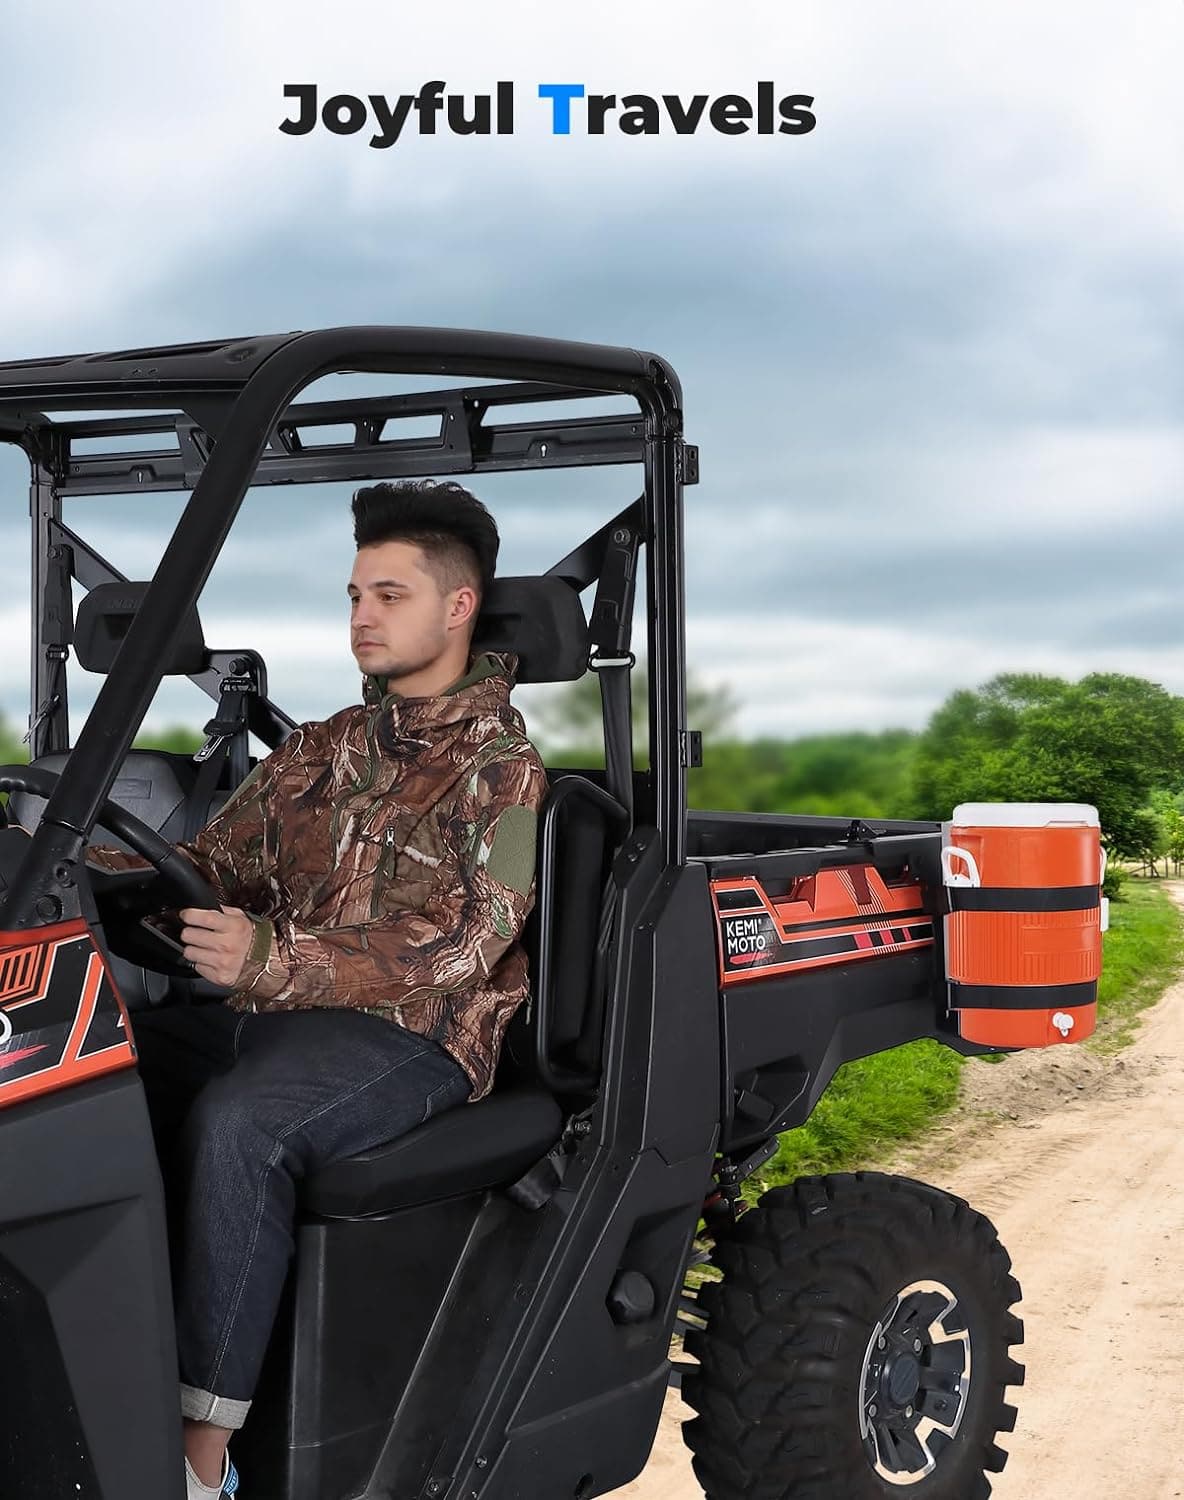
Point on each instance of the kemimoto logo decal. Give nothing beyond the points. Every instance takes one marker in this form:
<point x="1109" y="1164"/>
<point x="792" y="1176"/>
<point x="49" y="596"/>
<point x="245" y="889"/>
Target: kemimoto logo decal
<point x="557" y="109"/>
<point x="747" y="936"/>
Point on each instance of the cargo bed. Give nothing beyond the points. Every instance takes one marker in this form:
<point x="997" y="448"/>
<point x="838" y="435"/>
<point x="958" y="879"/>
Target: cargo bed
<point x="829" y="944"/>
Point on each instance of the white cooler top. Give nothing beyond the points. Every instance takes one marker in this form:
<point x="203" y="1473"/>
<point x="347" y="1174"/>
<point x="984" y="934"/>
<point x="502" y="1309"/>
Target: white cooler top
<point x="1023" y="814"/>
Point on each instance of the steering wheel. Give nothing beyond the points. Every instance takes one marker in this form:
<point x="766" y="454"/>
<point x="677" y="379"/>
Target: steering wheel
<point x="190" y="888"/>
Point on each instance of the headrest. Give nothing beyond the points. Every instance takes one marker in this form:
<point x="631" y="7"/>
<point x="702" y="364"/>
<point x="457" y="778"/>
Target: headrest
<point x="541" y="620"/>
<point x="103" y="619"/>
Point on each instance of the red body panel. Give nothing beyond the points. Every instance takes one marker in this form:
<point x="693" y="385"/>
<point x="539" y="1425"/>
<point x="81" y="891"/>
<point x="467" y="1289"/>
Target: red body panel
<point x="61" y="1018"/>
<point x="834" y="917"/>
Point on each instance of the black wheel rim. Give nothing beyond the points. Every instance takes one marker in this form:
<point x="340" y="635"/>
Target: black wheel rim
<point x="915" y="1382"/>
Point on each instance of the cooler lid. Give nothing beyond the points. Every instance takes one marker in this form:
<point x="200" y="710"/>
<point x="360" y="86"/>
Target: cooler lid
<point x="1024" y="814"/>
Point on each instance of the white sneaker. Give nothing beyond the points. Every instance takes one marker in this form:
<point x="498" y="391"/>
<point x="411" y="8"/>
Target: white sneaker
<point x="195" y="1490"/>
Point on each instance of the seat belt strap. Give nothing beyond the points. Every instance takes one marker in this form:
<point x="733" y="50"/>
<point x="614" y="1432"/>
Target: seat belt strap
<point x="540" y="1183"/>
<point x="617" y="703"/>
<point x="225" y="733"/>
<point x="197" y="806"/>
<point x="611" y="628"/>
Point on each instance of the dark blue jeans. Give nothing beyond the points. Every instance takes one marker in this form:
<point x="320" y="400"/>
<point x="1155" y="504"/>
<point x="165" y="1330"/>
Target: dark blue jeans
<point x="244" y="1106"/>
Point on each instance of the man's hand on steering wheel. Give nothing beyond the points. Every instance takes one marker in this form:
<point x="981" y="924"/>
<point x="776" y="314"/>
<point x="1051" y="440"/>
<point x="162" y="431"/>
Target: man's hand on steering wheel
<point x="217" y="942"/>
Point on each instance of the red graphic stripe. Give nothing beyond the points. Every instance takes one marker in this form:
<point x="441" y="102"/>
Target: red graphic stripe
<point x="9" y="1058"/>
<point x="796" y="965"/>
<point x="49" y="957"/>
<point x="72" y="1068"/>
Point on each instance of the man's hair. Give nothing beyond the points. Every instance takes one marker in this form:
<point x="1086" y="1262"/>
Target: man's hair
<point x="456" y="533"/>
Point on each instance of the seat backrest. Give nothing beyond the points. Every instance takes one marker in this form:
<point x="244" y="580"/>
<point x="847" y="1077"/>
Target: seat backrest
<point x="104" y="617"/>
<point x="164" y="789"/>
<point x="541" y="620"/>
<point x="153" y="785"/>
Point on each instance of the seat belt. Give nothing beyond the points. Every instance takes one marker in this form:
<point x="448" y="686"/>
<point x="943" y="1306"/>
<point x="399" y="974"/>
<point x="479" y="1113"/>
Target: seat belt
<point x="539" y="1185"/>
<point x="57" y="634"/>
<point x="616" y="700"/>
<point x="611" y="628"/>
<point x="226" y="741"/>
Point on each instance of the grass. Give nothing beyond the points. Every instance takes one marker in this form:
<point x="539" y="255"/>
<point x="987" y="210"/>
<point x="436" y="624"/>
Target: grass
<point x="882" y="1101"/>
<point x="1142" y="954"/>
<point x="870" y="1104"/>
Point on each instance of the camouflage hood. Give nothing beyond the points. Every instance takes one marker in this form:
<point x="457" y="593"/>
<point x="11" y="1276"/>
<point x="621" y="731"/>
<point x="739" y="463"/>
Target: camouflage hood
<point x="408" y="726"/>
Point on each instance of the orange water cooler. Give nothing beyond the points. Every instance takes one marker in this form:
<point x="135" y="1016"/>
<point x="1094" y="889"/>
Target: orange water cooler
<point x="1024" y="921"/>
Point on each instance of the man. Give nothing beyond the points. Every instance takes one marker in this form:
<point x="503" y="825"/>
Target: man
<point x="376" y="872"/>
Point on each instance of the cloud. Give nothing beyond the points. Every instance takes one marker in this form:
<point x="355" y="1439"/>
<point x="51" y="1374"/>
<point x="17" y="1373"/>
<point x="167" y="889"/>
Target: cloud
<point x="798" y="674"/>
<point x="930" y="352"/>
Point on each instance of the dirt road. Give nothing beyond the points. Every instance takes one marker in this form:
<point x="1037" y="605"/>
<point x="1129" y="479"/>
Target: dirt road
<point x="1086" y="1187"/>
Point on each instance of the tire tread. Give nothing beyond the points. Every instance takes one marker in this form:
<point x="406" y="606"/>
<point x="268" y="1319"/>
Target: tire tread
<point x="783" y="1319"/>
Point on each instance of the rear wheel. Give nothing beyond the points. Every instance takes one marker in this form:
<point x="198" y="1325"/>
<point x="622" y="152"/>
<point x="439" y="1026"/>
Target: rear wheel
<point x="858" y="1346"/>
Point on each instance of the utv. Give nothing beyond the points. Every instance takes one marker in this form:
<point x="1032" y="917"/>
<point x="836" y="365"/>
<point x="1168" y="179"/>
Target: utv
<point x="485" y="1308"/>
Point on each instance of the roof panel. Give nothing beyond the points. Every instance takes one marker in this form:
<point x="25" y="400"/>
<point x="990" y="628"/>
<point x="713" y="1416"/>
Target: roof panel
<point x="129" y="377"/>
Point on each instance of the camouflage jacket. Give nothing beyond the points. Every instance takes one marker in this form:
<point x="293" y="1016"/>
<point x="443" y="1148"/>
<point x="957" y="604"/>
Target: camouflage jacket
<point x="387" y="857"/>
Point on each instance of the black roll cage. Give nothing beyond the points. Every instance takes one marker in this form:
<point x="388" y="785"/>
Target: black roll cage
<point x="237" y="427"/>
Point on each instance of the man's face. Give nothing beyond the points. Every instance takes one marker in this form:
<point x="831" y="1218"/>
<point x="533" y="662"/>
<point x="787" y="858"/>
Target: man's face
<point x="400" y="622"/>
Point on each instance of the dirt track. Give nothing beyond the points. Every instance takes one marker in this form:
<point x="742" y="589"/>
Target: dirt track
<point x="1086" y="1187"/>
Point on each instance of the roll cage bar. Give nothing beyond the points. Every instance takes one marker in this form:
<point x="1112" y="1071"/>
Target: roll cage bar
<point x="236" y="426"/>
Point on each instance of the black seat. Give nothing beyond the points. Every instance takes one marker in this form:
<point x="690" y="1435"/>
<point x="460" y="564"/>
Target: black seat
<point x="466" y="1149"/>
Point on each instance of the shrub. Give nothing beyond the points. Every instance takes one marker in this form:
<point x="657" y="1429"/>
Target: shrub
<point x="1113" y="882"/>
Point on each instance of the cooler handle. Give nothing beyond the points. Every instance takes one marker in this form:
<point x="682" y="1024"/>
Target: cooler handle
<point x="1102" y="873"/>
<point x="950" y="853"/>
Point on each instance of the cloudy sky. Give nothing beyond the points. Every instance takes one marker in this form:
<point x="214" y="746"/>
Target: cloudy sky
<point x="931" y="351"/>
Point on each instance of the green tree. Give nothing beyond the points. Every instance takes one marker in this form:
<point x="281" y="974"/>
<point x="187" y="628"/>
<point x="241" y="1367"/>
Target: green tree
<point x="1109" y="740"/>
<point x="177" y="738"/>
<point x="568" y="726"/>
<point x="964" y="752"/>
<point x="12" y="752"/>
<point x="844" y="775"/>
<point x="855" y="774"/>
<point x="860" y="773"/>
<point x="1165" y="832"/>
<point x="738" y="776"/>
<point x="1174" y="829"/>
